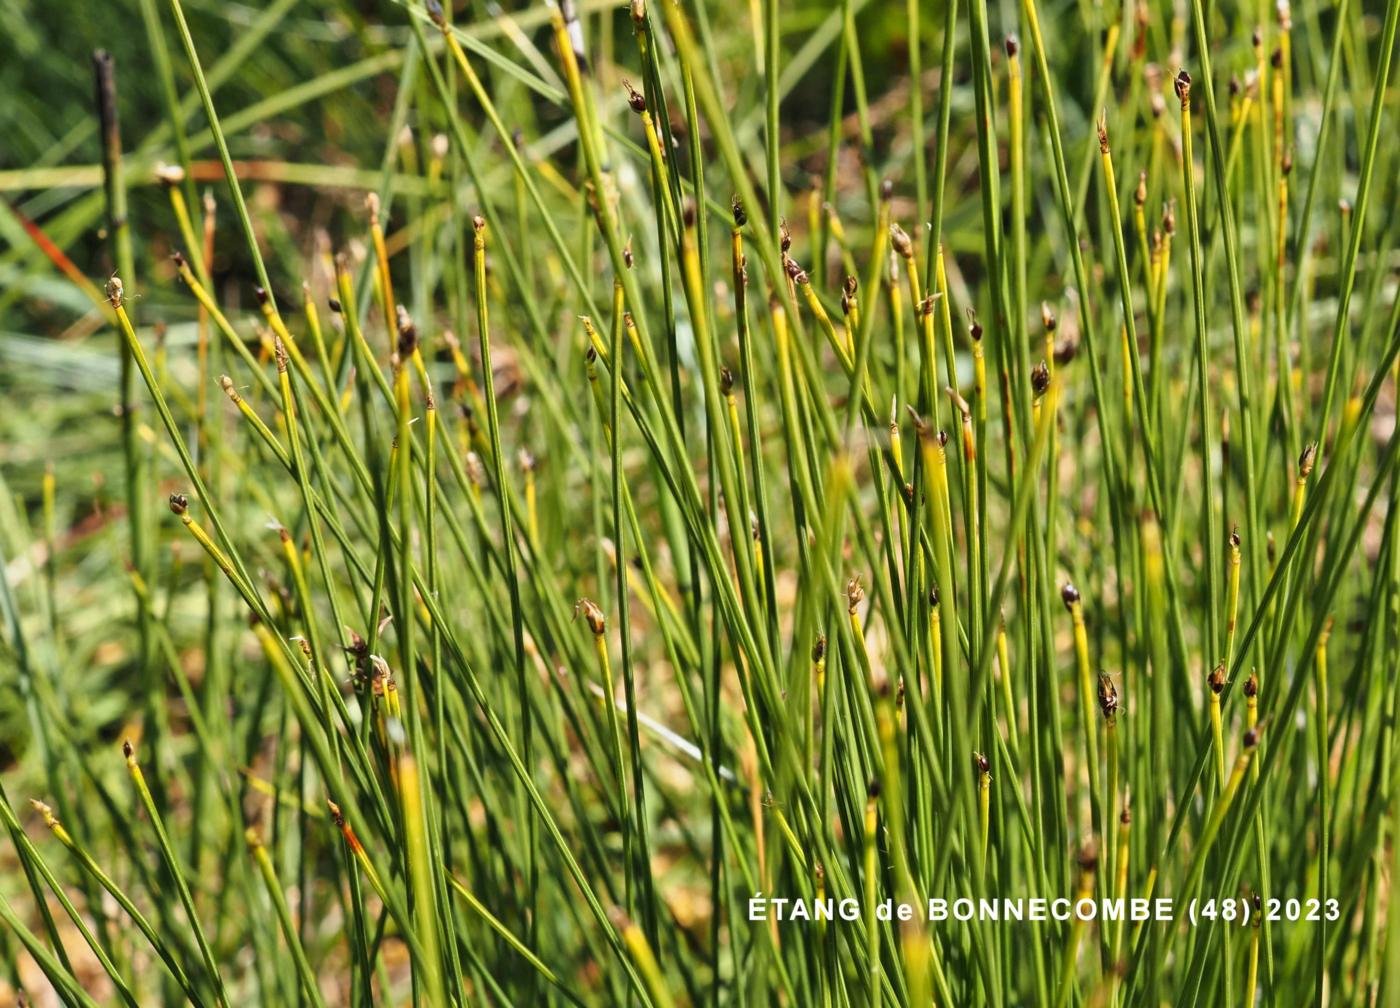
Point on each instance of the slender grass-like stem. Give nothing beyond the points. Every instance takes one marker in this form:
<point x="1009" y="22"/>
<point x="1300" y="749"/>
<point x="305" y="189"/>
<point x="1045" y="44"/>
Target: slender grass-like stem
<point x="1324" y="801"/>
<point x="177" y="875"/>
<point x="420" y="870"/>
<point x="1087" y="694"/>
<point x="1209" y="524"/>
<point x="216" y="130"/>
<point x="309" y="985"/>
<point x="158" y="944"/>
<point x="1084" y="889"/>
<point x="135" y="454"/>
<point x="1216" y="685"/>
<point x="871" y="883"/>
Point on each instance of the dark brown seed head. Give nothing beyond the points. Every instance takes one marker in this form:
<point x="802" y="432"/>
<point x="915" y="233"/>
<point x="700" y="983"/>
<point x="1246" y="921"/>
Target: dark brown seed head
<point x="1306" y="459"/>
<point x="358" y="646"/>
<point x="784" y="236"/>
<point x="1251" y="738"/>
<point x="736" y="207"/>
<point x="726" y="380"/>
<point x="408" y="333"/>
<point x="1251" y="686"/>
<point x="178" y="258"/>
<point x="334" y="305"/>
<point x="1182" y="84"/>
<point x="635" y="98"/>
<point x="261" y="294"/>
<point x="1040" y="379"/>
<point x="980" y="763"/>
<point x="1103" y="135"/>
<point x="974" y="328"/>
<point x="819" y="649"/>
<point x="591" y="612"/>
<point x="1069" y="594"/>
<point x="872" y="789"/>
<point x="1276" y="58"/>
<point x="1012" y="46"/>
<point x="1047" y="317"/>
<point x="886" y="190"/>
<point x="851" y="286"/>
<point x="126" y="748"/>
<point x="1108" y="696"/>
<point x="1217" y="679"/>
<point x="1169" y="217"/>
<point x="179" y="503"/>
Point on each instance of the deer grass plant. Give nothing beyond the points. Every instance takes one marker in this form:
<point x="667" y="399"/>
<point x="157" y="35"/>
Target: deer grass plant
<point x="719" y="451"/>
